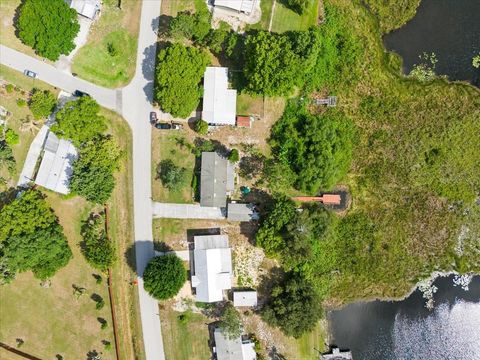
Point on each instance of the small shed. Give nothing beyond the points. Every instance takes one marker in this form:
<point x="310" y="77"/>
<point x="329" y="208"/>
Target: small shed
<point x="337" y="354"/>
<point x="247" y="298"/>
<point x="244" y="121"/>
<point x="245" y="6"/>
<point x="86" y="8"/>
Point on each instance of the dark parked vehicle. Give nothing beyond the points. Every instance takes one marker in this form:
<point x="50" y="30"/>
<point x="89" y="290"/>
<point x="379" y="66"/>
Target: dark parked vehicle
<point x="30" y="74"/>
<point x="79" y="93"/>
<point x="163" y="126"/>
<point x="153" y="117"/>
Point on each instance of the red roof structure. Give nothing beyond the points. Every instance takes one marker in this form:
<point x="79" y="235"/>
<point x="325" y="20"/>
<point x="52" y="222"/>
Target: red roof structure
<point x="243" y="121"/>
<point x="327" y="199"/>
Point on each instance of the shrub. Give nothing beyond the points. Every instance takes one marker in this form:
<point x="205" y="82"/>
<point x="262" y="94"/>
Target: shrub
<point x="9" y="88"/>
<point x="104" y="325"/>
<point x="164" y="276"/>
<point x="42" y="103"/>
<point x="107" y="345"/>
<point x="98" y="250"/>
<point x="11" y="137"/>
<point x="234" y="156"/>
<point x="173" y="177"/>
<point x="21" y="102"/>
<point x="100" y="304"/>
<point x="201" y="127"/>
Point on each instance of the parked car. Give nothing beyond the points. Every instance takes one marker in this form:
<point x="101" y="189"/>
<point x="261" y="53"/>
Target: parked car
<point x="30" y="73"/>
<point x="163" y="126"/>
<point x="79" y="93"/>
<point x="153" y="117"/>
<point x="177" y="126"/>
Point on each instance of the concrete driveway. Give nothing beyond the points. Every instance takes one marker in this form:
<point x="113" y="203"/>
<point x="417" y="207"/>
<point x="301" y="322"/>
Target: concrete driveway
<point x="187" y="211"/>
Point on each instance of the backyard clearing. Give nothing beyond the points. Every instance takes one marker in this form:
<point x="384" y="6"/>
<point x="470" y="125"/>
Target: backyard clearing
<point x="285" y="19"/>
<point x="109" y="56"/>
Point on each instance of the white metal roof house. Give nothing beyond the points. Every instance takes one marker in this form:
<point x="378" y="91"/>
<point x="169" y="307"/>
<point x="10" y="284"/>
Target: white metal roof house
<point x="56" y="167"/>
<point x="236" y="349"/>
<point x="219" y="102"/>
<point x="245" y="298"/>
<point x="86" y="8"/>
<point x="245" y="6"/>
<point x="216" y="180"/>
<point x="212" y="267"/>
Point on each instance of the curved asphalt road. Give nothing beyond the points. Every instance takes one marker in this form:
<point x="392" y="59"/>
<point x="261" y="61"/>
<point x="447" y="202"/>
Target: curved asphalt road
<point x="134" y="102"/>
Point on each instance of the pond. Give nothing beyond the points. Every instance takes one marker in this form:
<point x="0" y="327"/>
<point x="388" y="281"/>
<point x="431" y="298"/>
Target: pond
<point x="407" y="330"/>
<point x="448" y="28"/>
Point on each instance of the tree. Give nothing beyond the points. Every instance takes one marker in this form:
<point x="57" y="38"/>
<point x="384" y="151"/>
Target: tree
<point x="278" y="215"/>
<point x="79" y="121"/>
<point x="293" y="306"/>
<point x="178" y="74"/>
<point x="234" y="156"/>
<point x="476" y="61"/>
<point x="6" y="157"/>
<point x="96" y="247"/>
<point x="194" y="26"/>
<point x="279" y="176"/>
<point x="49" y="27"/>
<point x="318" y="149"/>
<point x="173" y="177"/>
<point x="299" y="6"/>
<point x="230" y="322"/>
<point x="92" y="175"/>
<point x="201" y="127"/>
<point x="216" y="40"/>
<point x="42" y="103"/>
<point x="164" y="276"/>
<point x="31" y="237"/>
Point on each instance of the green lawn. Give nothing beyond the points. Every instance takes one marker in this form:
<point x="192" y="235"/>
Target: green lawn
<point x="109" y="56"/>
<point x="285" y="19"/>
<point x="184" y="341"/>
<point x="164" y="146"/>
<point x="266" y="7"/>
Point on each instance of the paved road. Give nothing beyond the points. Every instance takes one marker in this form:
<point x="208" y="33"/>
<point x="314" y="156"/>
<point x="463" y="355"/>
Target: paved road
<point x="134" y="103"/>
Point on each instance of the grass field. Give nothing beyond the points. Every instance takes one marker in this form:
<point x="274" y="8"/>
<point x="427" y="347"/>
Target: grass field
<point x="164" y="146"/>
<point x="116" y="30"/>
<point x="184" y="341"/>
<point x="285" y="19"/>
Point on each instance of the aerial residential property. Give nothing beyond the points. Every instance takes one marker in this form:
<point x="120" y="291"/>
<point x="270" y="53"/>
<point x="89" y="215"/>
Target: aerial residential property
<point x="239" y="179"/>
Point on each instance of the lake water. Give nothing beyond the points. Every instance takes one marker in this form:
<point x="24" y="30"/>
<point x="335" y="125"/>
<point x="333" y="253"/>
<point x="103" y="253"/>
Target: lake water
<point x="448" y="28"/>
<point x="406" y="330"/>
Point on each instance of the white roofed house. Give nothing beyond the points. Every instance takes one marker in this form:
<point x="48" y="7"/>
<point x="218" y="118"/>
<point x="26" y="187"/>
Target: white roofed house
<point x="86" y="8"/>
<point x="219" y="102"/>
<point x="245" y="6"/>
<point x="212" y="267"/>
<point x="56" y="167"/>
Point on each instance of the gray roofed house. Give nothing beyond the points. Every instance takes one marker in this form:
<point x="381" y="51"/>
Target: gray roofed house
<point x="216" y="181"/>
<point x="241" y="212"/>
<point x="212" y="267"/>
<point x="244" y="298"/>
<point x="236" y="349"/>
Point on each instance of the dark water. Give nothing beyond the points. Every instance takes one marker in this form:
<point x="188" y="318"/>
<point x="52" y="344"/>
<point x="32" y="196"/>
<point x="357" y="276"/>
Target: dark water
<point x="450" y="29"/>
<point x="406" y="330"/>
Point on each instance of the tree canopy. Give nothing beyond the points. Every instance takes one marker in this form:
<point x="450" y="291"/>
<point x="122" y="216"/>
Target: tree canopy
<point x="299" y="6"/>
<point x="92" y="175"/>
<point x="173" y="177"/>
<point x="42" y="103"/>
<point x="49" y="27"/>
<point x="293" y="306"/>
<point x="194" y="26"/>
<point x="96" y="247"/>
<point x="178" y="74"/>
<point x="164" y="276"/>
<point x="79" y="121"/>
<point x="317" y="148"/>
<point x="31" y="237"/>
<point x="230" y="322"/>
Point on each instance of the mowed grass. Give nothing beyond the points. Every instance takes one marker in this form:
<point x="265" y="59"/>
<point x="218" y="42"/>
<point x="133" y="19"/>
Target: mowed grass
<point x="24" y="86"/>
<point x="115" y="29"/>
<point x="164" y="146"/>
<point x="285" y="19"/>
<point x="184" y="341"/>
<point x="52" y="320"/>
<point x="266" y="8"/>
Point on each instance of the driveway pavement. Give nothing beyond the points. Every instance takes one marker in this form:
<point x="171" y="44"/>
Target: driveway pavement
<point x="134" y="103"/>
<point x="187" y="211"/>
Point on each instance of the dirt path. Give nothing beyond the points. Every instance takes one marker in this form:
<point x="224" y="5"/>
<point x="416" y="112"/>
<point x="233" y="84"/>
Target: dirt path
<point x="271" y="16"/>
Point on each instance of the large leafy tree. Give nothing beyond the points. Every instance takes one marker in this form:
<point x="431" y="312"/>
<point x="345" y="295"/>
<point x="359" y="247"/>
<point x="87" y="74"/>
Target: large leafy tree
<point x="178" y="74"/>
<point x="230" y="322"/>
<point x="93" y="171"/>
<point x="42" y="103"/>
<point x="79" y="121"/>
<point x="293" y="306"/>
<point x="49" y="27"/>
<point x="317" y="148"/>
<point x="31" y="237"/>
<point x="172" y="176"/>
<point x="194" y="26"/>
<point x="96" y="247"/>
<point x="164" y="276"/>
